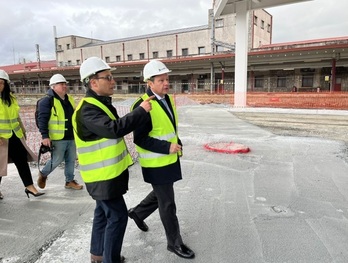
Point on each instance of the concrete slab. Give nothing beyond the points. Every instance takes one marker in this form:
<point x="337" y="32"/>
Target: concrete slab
<point x="284" y="201"/>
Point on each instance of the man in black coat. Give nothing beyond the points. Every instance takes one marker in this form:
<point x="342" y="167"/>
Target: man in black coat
<point x="53" y="110"/>
<point x="159" y="149"/>
<point x="99" y="132"/>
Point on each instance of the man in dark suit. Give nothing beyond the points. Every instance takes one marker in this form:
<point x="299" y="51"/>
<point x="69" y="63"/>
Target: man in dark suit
<point x="159" y="149"/>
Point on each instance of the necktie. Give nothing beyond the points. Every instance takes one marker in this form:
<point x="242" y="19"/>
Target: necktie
<point x="166" y="105"/>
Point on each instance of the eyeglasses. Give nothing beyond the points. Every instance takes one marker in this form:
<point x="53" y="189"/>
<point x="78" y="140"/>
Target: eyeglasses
<point x="108" y="78"/>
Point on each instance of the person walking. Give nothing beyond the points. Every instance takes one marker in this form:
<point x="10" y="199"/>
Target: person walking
<point x="104" y="158"/>
<point x="54" y="121"/>
<point x="13" y="148"/>
<point x="159" y="149"/>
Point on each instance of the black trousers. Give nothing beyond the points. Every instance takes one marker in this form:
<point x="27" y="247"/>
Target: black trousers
<point x="109" y="226"/>
<point x="162" y="197"/>
<point x="18" y="154"/>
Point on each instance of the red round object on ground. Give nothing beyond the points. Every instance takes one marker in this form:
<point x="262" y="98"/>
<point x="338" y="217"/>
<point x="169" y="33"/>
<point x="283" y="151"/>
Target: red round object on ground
<point x="227" y="147"/>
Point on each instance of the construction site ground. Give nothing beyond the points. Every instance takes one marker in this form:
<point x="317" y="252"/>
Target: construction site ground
<point x="285" y="201"/>
<point x="288" y="121"/>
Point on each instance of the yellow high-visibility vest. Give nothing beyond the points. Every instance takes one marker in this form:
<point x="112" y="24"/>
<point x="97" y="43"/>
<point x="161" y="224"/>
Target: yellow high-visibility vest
<point x="162" y="129"/>
<point x="9" y="119"/>
<point x="56" y="123"/>
<point x="102" y="159"/>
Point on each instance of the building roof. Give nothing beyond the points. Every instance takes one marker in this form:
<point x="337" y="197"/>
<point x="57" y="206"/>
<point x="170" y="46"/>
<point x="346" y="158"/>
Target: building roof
<point x="308" y="43"/>
<point x="158" y="34"/>
<point x="30" y="66"/>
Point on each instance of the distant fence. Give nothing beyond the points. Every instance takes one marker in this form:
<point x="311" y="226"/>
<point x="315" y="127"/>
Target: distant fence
<point x="300" y="100"/>
<point x="297" y="100"/>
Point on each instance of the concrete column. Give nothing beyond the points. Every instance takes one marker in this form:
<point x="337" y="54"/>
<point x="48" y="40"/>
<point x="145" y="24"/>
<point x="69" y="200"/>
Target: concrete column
<point x="212" y="77"/>
<point x="241" y="59"/>
<point x="333" y="76"/>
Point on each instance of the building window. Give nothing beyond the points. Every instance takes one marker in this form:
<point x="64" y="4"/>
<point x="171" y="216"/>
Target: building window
<point x="281" y="82"/>
<point x="141" y="56"/>
<point x="59" y="48"/>
<point x="118" y="58"/>
<point x="268" y="28"/>
<point x="61" y="63"/>
<point x="155" y="54"/>
<point x="119" y="85"/>
<point x="220" y="49"/>
<point x="262" y="24"/>
<point x="78" y="62"/>
<point x="130" y="57"/>
<point x="69" y="63"/>
<point x="255" y="20"/>
<point x="67" y="46"/>
<point x="107" y="59"/>
<point x="184" y="51"/>
<point x="219" y="22"/>
<point x="201" y="50"/>
<point x="258" y="82"/>
<point x="169" y="53"/>
<point x="307" y="81"/>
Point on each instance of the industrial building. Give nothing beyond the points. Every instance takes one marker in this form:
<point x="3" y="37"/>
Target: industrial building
<point x="201" y="58"/>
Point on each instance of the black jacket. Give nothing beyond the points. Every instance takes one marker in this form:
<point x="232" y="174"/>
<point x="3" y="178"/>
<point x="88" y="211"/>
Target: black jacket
<point x="44" y="114"/>
<point x="161" y="175"/>
<point x="93" y="124"/>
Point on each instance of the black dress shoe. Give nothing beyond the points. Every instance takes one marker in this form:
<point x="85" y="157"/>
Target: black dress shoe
<point x="182" y="251"/>
<point x="140" y="223"/>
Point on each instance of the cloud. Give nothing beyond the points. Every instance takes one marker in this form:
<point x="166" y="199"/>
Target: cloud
<point x="309" y="20"/>
<point x="27" y="23"/>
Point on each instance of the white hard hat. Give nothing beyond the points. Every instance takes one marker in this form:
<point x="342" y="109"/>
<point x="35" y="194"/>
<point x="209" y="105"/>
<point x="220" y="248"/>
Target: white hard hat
<point x="92" y="66"/>
<point x="4" y="75"/>
<point x="57" y="78"/>
<point x="154" y="68"/>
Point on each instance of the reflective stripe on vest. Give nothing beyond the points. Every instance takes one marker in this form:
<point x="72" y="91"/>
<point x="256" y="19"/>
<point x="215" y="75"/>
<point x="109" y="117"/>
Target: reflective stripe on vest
<point x="101" y="145"/>
<point x="107" y="162"/>
<point x="9" y="121"/>
<point x="103" y="159"/>
<point x="166" y="137"/>
<point x="162" y="129"/>
<point x="5" y="128"/>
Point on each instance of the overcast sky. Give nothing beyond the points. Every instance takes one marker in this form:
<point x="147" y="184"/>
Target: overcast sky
<point x="25" y="23"/>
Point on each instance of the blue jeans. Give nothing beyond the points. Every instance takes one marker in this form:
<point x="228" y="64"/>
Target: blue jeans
<point x="64" y="150"/>
<point x="109" y="225"/>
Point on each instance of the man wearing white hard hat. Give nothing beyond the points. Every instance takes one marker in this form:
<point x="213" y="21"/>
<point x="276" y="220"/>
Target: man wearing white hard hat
<point x="159" y="148"/>
<point x="54" y="121"/>
<point x="104" y="158"/>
